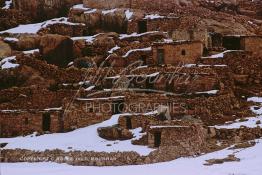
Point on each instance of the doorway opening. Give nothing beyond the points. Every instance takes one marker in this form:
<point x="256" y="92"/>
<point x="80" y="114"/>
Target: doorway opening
<point x="157" y="139"/>
<point x="142" y="26"/>
<point x="46" y="122"/>
<point x="128" y="123"/>
<point x="118" y="106"/>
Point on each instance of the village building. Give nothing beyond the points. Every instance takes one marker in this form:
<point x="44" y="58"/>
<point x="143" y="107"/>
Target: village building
<point x="178" y="52"/>
<point x="192" y="35"/>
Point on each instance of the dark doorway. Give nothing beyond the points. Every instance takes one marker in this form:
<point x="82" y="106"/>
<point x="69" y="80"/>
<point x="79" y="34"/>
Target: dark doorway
<point x="160" y="56"/>
<point x="142" y="26"/>
<point x="157" y="137"/>
<point x="118" y="106"/>
<point x="46" y="122"/>
<point x="128" y="123"/>
<point x="231" y="42"/>
<point x="143" y="59"/>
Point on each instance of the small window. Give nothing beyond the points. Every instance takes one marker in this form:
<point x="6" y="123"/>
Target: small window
<point x="183" y="52"/>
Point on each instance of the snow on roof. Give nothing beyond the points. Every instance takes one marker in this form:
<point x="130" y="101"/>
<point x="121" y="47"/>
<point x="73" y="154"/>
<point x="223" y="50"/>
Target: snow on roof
<point x="34" y="28"/>
<point x="10" y="39"/>
<point x="7" y="4"/>
<point x="53" y="109"/>
<point x="153" y="16"/>
<point x="128" y="14"/>
<point x="136" y="50"/>
<point x="80" y="7"/>
<point x="6" y="63"/>
<point x="104" y="12"/>
<point x="168" y="126"/>
<point x="105" y="98"/>
<point x="114" y="49"/>
<point x="90" y="11"/>
<point x="30" y="51"/>
<point x="221" y="55"/>
<point x="204" y="65"/>
<point x="88" y="39"/>
<point x="208" y="92"/>
<point x="123" y="36"/>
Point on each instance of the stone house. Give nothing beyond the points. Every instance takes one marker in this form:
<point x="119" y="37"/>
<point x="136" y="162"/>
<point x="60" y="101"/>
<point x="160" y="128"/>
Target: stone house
<point x="187" y="137"/>
<point x="177" y="53"/>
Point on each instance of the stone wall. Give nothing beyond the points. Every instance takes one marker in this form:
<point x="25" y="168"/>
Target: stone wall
<point x="32" y="98"/>
<point x="178" y="53"/>
<point x="17" y="123"/>
<point x="84" y="112"/>
<point x="193" y="35"/>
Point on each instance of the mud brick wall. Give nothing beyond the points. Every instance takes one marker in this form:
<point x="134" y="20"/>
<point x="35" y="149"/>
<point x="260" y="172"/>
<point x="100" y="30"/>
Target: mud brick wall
<point x="252" y="44"/>
<point x="17" y="123"/>
<point x="178" y="53"/>
<point x="81" y="113"/>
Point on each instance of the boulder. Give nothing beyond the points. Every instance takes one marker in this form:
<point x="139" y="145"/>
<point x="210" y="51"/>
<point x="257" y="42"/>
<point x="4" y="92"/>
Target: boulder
<point x="28" y="42"/>
<point x="114" y="133"/>
<point x="57" y="49"/>
<point x="5" y="49"/>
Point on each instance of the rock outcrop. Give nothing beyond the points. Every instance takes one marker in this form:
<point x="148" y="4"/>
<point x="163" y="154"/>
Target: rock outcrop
<point x="56" y="49"/>
<point x="42" y="9"/>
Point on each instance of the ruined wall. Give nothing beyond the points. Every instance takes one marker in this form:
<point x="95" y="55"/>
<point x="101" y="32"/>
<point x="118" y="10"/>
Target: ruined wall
<point x="165" y="24"/>
<point x="17" y="123"/>
<point x="178" y="53"/>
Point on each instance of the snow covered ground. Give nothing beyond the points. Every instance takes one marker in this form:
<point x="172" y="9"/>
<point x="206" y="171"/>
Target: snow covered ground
<point x="85" y="139"/>
<point x="251" y="121"/>
<point x="250" y="164"/>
